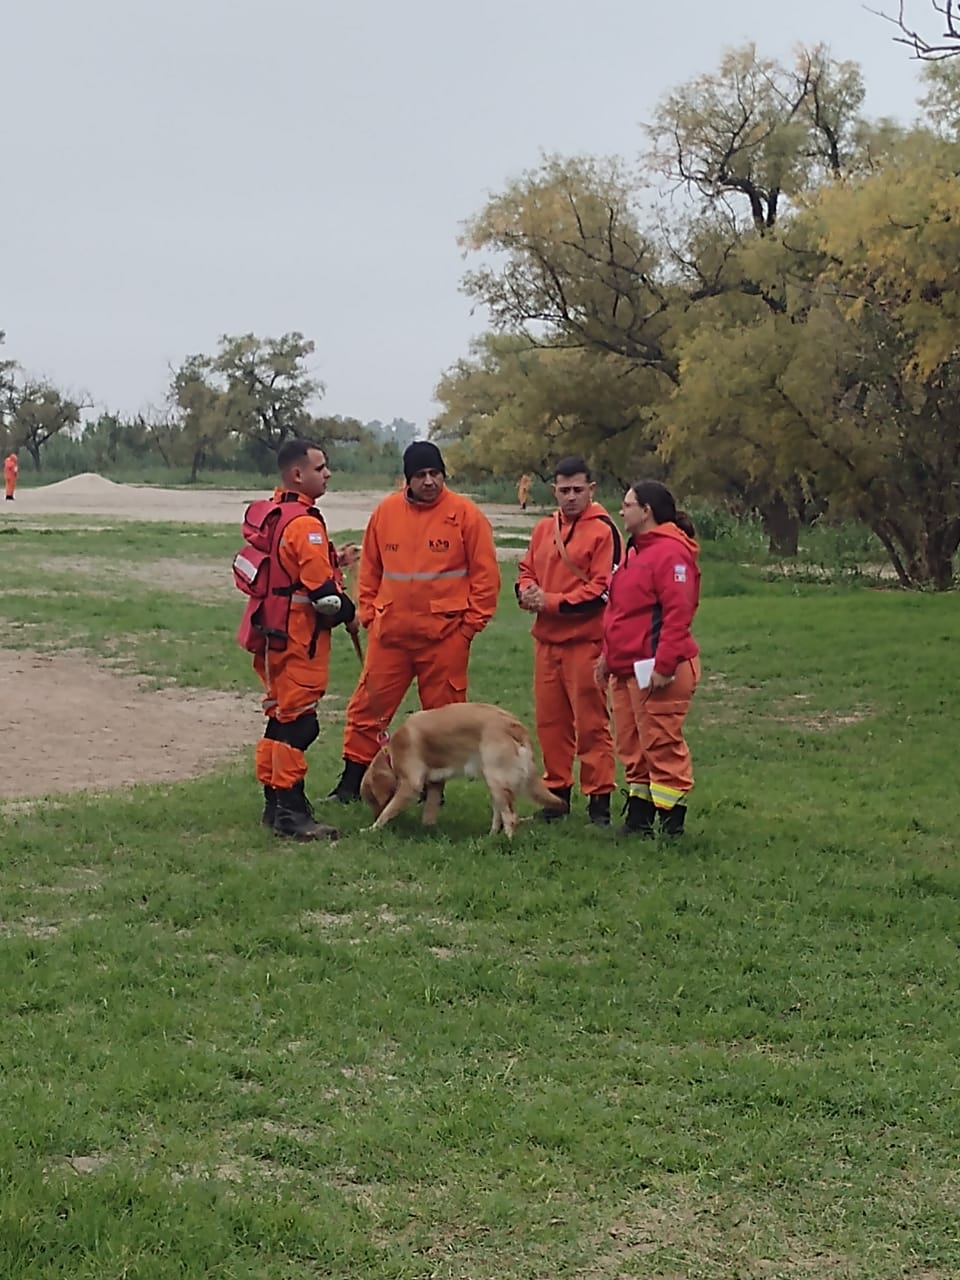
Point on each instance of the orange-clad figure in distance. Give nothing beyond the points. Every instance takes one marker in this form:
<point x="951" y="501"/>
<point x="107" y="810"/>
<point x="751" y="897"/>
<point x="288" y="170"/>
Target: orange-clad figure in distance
<point x="524" y="485"/>
<point x="428" y="583"/>
<point x="11" y="469"/>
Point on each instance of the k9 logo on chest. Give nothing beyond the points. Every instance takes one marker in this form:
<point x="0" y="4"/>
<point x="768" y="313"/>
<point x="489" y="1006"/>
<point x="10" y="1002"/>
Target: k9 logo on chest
<point x="439" y="544"/>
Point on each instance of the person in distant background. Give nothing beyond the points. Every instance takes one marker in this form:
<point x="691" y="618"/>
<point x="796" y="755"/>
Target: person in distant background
<point x="524" y="485"/>
<point x="11" y="469"/>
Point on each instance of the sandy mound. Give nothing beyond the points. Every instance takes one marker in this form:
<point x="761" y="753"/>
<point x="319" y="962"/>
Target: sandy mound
<point x="86" y="485"/>
<point x="102" y="731"/>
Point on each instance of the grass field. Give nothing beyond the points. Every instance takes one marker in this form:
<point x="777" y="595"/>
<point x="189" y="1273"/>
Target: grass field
<point x="412" y="1056"/>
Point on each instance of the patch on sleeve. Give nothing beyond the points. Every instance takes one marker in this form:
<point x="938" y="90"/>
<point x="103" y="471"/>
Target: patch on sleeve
<point x="679" y="573"/>
<point x="314" y="537"/>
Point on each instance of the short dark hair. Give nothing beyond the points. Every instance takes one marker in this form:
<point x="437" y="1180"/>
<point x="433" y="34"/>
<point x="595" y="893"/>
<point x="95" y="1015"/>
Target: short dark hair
<point x="572" y="465"/>
<point x="293" y="451"/>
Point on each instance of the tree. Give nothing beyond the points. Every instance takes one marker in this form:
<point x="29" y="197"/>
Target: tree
<point x="269" y="385"/>
<point x="848" y="401"/>
<point x="37" y="412"/>
<point x="755" y="133"/>
<point x="728" y="432"/>
<point x="256" y="390"/>
<point x="747" y="142"/>
<point x="513" y="406"/>
<point x="577" y="271"/>
<point x="8" y="369"/>
<point x="882" y="360"/>
<point x="208" y="416"/>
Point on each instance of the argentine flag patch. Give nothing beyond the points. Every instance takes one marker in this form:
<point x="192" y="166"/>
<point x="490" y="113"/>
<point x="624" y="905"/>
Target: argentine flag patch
<point x="314" y="537"/>
<point x="679" y="573"/>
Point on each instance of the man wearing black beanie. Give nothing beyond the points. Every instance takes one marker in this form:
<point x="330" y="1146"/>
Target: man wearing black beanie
<point x="428" y="583"/>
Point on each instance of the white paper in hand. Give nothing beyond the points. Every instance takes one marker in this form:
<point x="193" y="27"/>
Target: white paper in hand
<point x="643" y="670"/>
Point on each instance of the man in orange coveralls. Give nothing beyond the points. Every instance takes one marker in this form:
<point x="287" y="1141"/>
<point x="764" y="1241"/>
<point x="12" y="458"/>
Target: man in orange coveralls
<point x="428" y="584"/>
<point x="295" y="678"/>
<point x="563" y="580"/>
<point x="11" y="469"/>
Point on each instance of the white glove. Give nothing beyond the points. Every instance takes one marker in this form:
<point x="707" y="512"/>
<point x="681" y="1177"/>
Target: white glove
<point x="329" y="606"/>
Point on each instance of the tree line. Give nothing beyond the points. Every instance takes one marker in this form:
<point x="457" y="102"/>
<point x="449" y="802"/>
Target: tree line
<point x="766" y="310"/>
<point x="232" y="409"/>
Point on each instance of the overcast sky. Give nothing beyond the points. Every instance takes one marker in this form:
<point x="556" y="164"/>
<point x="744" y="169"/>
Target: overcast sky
<point x="180" y="169"/>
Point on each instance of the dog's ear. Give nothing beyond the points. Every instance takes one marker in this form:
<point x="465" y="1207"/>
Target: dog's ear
<point x="379" y="783"/>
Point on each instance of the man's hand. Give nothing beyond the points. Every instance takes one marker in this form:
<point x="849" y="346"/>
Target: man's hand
<point x="533" y="599"/>
<point x="352" y="627"/>
<point x="657" y="681"/>
<point x="601" y="672"/>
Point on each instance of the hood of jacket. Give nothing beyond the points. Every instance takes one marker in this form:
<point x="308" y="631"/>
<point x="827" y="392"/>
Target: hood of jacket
<point x="668" y="530"/>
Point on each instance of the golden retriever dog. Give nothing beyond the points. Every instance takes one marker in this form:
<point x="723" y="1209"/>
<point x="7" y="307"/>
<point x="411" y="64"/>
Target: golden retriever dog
<point x="465" y="740"/>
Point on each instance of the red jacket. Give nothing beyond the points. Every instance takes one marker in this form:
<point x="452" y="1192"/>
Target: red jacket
<point x="574" y="608"/>
<point x="653" y="597"/>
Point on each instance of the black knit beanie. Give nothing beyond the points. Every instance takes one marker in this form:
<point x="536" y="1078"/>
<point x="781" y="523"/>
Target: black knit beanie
<point x="422" y="455"/>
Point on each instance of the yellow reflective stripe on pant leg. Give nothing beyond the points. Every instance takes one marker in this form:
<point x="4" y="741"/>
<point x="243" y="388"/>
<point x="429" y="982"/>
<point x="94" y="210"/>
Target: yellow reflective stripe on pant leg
<point x="639" y="791"/>
<point x="665" y="797"/>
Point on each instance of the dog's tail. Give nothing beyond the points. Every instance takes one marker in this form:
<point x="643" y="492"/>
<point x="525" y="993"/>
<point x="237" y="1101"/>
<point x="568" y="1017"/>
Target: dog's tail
<point x="538" y="792"/>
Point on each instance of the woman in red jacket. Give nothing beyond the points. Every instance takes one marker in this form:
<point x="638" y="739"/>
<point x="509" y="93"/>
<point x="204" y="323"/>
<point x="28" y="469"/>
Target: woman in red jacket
<point x="653" y="597"/>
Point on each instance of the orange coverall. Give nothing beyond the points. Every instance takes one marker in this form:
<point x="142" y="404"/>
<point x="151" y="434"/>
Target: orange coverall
<point x="572" y="718"/>
<point x="428" y="583"/>
<point x="11" y="469"/>
<point x="524" y="485"/>
<point x="293" y="681"/>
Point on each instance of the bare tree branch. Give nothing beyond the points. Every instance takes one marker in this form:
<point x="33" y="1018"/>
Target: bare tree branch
<point x="924" y="49"/>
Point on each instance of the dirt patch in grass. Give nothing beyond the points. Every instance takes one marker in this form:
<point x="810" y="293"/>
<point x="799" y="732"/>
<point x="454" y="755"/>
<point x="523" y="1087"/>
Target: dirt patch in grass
<point x="209" y="580"/>
<point x="70" y="726"/>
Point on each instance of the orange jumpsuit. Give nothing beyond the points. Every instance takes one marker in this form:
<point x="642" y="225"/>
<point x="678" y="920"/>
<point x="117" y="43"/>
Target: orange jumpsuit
<point x="11" y="469"/>
<point x="293" y="680"/>
<point x="573" y="721"/>
<point x="428" y="583"/>
<point x="524" y="484"/>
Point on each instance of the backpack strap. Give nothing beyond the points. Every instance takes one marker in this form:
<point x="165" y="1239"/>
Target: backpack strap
<point x="565" y="555"/>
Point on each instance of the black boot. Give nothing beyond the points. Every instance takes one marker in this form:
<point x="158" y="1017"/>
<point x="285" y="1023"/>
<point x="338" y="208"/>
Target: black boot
<point x="269" y="815"/>
<point x="598" y="810"/>
<point x="671" y="820"/>
<point x="551" y="815"/>
<point x="640" y="814"/>
<point x="294" y="819"/>
<point x="347" y="789"/>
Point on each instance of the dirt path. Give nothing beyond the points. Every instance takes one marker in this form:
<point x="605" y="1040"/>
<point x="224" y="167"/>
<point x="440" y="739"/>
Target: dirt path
<point x="71" y="726"/>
